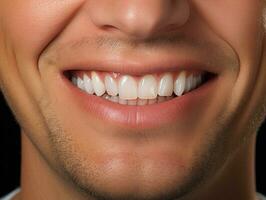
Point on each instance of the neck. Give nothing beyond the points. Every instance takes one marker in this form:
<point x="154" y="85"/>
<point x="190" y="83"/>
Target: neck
<point x="40" y="181"/>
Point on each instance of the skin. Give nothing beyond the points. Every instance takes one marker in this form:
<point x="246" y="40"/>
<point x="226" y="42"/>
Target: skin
<point x="79" y="156"/>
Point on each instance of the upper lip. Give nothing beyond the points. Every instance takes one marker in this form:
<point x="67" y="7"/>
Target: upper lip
<point x="139" y="67"/>
<point x="136" y="65"/>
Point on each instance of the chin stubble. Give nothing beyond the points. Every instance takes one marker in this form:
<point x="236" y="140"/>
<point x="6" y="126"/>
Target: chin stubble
<point x="74" y="168"/>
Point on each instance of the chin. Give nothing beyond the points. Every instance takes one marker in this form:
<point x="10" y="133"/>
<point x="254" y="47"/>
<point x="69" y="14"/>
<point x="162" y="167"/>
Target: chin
<point x="133" y="176"/>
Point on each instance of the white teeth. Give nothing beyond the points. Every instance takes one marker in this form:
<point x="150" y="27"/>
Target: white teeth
<point x="189" y="83"/>
<point x="88" y="84"/>
<point x="80" y="83"/>
<point x="147" y="88"/>
<point x="166" y="85"/>
<point x="111" y="85"/>
<point x="180" y="83"/>
<point x="114" y="99"/>
<point x="132" y="102"/>
<point x="122" y="101"/>
<point x="127" y="88"/>
<point x="106" y="96"/>
<point x="98" y="84"/>
<point x="194" y="82"/>
<point x="142" y="102"/>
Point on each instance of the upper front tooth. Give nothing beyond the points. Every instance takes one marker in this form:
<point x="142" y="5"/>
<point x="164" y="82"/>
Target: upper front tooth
<point x="98" y="84"/>
<point x="147" y="88"/>
<point x="111" y="86"/>
<point x="180" y="83"/>
<point x="166" y="85"/>
<point x="88" y="84"/>
<point x="127" y="88"/>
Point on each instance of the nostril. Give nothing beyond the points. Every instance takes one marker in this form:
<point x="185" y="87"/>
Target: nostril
<point x="108" y="27"/>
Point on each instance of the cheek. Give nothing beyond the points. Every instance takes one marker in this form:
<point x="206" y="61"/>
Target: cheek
<point x="31" y="25"/>
<point x="238" y="22"/>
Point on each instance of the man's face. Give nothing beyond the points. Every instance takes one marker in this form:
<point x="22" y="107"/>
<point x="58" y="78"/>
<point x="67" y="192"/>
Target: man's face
<point x="113" y="150"/>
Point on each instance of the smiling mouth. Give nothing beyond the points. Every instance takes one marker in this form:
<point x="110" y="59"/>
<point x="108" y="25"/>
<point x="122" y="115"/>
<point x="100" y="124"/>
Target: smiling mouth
<point x="135" y="90"/>
<point x="139" y="96"/>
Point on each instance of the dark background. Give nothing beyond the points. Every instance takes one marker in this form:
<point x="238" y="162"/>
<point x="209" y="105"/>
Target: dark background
<point x="10" y="153"/>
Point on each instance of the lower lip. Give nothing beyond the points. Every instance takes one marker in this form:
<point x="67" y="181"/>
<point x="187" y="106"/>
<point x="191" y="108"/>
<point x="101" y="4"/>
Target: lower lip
<point x="143" y="117"/>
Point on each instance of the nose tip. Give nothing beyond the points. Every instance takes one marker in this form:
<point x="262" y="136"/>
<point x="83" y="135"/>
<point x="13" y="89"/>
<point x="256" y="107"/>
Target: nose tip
<point x="141" y="19"/>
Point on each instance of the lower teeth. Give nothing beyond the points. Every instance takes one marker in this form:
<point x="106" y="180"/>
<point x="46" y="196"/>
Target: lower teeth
<point x="138" y="101"/>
